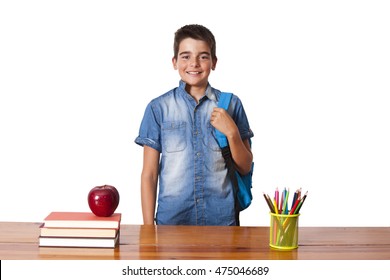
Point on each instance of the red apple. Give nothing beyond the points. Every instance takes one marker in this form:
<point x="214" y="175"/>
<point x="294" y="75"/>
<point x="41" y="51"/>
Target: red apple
<point x="103" y="200"/>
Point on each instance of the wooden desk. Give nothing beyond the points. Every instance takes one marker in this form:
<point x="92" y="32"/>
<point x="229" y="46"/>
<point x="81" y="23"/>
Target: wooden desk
<point x="20" y="241"/>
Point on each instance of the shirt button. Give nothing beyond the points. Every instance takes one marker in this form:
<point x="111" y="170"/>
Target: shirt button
<point x="198" y="154"/>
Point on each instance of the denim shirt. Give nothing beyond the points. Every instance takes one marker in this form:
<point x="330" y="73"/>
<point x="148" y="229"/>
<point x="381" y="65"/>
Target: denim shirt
<point x="194" y="188"/>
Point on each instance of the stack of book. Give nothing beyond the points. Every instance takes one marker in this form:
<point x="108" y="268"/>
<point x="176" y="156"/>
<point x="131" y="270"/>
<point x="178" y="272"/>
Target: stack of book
<point x="80" y="229"/>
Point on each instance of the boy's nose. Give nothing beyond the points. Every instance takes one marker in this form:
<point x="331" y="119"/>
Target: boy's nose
<point x="194" y="62"/>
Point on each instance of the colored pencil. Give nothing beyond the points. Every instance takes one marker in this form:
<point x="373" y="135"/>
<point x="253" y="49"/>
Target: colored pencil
<point x="284" y="210"/>
<point x="275" y="207"/>
<point x="281" y="201"/>
<point x="269" y="202"/>
<point x="300" y="203"/>
<point x="296" y="203"/>
<point x="294" y="198"/>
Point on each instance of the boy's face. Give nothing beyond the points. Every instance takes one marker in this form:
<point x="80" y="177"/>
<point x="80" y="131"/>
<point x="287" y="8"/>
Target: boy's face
<point x="194" y="63"/>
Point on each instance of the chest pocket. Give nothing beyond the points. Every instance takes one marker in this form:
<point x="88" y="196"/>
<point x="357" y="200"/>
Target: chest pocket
<point x="174" y="136"/>
<point x="211" y="138"/>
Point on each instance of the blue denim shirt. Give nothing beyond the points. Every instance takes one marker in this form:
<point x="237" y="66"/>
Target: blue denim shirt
<point x="194" y="188"/>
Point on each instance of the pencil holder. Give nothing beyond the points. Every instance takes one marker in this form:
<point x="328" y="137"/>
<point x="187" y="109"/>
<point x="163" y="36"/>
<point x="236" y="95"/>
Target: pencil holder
<point x="283" y="232"/>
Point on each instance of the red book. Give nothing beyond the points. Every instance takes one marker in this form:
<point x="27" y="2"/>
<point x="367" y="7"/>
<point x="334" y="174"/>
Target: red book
<point x="81" y="220"/>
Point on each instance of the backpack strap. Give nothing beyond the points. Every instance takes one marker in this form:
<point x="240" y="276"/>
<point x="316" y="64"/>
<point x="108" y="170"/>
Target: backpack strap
<point x="223" y="102"/>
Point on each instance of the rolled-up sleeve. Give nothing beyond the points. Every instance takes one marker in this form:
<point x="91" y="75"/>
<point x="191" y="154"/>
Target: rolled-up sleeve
<point x="150" y="131"/>
<point x="241" y="119"/>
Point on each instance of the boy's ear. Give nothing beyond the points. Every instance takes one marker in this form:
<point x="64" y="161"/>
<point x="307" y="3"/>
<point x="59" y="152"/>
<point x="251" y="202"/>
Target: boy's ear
<point x="214" y="64"/>
<point x="174" y="63"/>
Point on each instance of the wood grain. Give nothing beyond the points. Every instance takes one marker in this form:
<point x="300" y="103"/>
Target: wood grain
<point x="20" y="241"/>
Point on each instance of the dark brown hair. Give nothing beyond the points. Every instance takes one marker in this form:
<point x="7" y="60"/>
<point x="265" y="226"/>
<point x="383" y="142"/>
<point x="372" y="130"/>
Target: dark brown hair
<point x="197" y="32"/>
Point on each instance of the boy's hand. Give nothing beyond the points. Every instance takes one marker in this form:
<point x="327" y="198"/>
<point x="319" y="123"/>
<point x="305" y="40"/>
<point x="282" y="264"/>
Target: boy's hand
<point x="221" y="120"/>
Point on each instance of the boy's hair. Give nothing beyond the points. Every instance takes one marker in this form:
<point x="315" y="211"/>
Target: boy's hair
<point x="197" y="32"/>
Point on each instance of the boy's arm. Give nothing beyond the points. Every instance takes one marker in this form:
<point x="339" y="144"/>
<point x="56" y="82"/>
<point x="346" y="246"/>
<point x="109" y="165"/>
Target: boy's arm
<point x="149" y="178"/>
<point x="240" y="150"/>
<point x="241" y="153"/>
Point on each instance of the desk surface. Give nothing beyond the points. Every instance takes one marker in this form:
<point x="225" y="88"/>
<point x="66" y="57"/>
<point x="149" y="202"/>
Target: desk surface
<point x="20" y="241"/>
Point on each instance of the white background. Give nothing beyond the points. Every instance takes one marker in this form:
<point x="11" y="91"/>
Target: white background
<point x="76" y="76"/>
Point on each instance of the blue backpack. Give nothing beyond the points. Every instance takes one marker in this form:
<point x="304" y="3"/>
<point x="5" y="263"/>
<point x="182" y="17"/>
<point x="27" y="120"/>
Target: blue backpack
<point x="242" y="184"/>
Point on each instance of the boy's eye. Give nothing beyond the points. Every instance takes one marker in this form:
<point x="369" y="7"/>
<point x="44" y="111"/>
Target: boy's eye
<point x="204" y="57"/>
<point x="185" y="56"/>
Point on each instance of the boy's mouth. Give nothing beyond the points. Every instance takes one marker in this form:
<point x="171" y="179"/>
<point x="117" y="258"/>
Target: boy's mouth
<point x="193" y="72"/>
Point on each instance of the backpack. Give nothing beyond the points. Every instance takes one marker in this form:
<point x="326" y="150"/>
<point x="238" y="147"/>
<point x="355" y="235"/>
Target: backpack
<point x="242" y="183"/>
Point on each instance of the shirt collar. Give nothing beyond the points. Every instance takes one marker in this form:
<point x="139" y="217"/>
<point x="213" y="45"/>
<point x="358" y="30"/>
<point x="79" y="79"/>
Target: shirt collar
<point x="210" y="92"/>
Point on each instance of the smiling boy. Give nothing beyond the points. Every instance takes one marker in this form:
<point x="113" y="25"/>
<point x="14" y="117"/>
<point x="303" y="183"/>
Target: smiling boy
<point x="181" y="153"/>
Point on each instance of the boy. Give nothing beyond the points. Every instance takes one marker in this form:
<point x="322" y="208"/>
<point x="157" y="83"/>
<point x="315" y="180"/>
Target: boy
<point x="194" y="187"/>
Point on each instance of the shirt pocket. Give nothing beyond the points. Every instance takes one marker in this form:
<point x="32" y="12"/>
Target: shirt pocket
<point x="174" y="136"/>
<point x="211" y="139"/>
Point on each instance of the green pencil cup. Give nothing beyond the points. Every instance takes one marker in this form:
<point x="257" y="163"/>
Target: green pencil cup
<point x="283" y="233"/>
